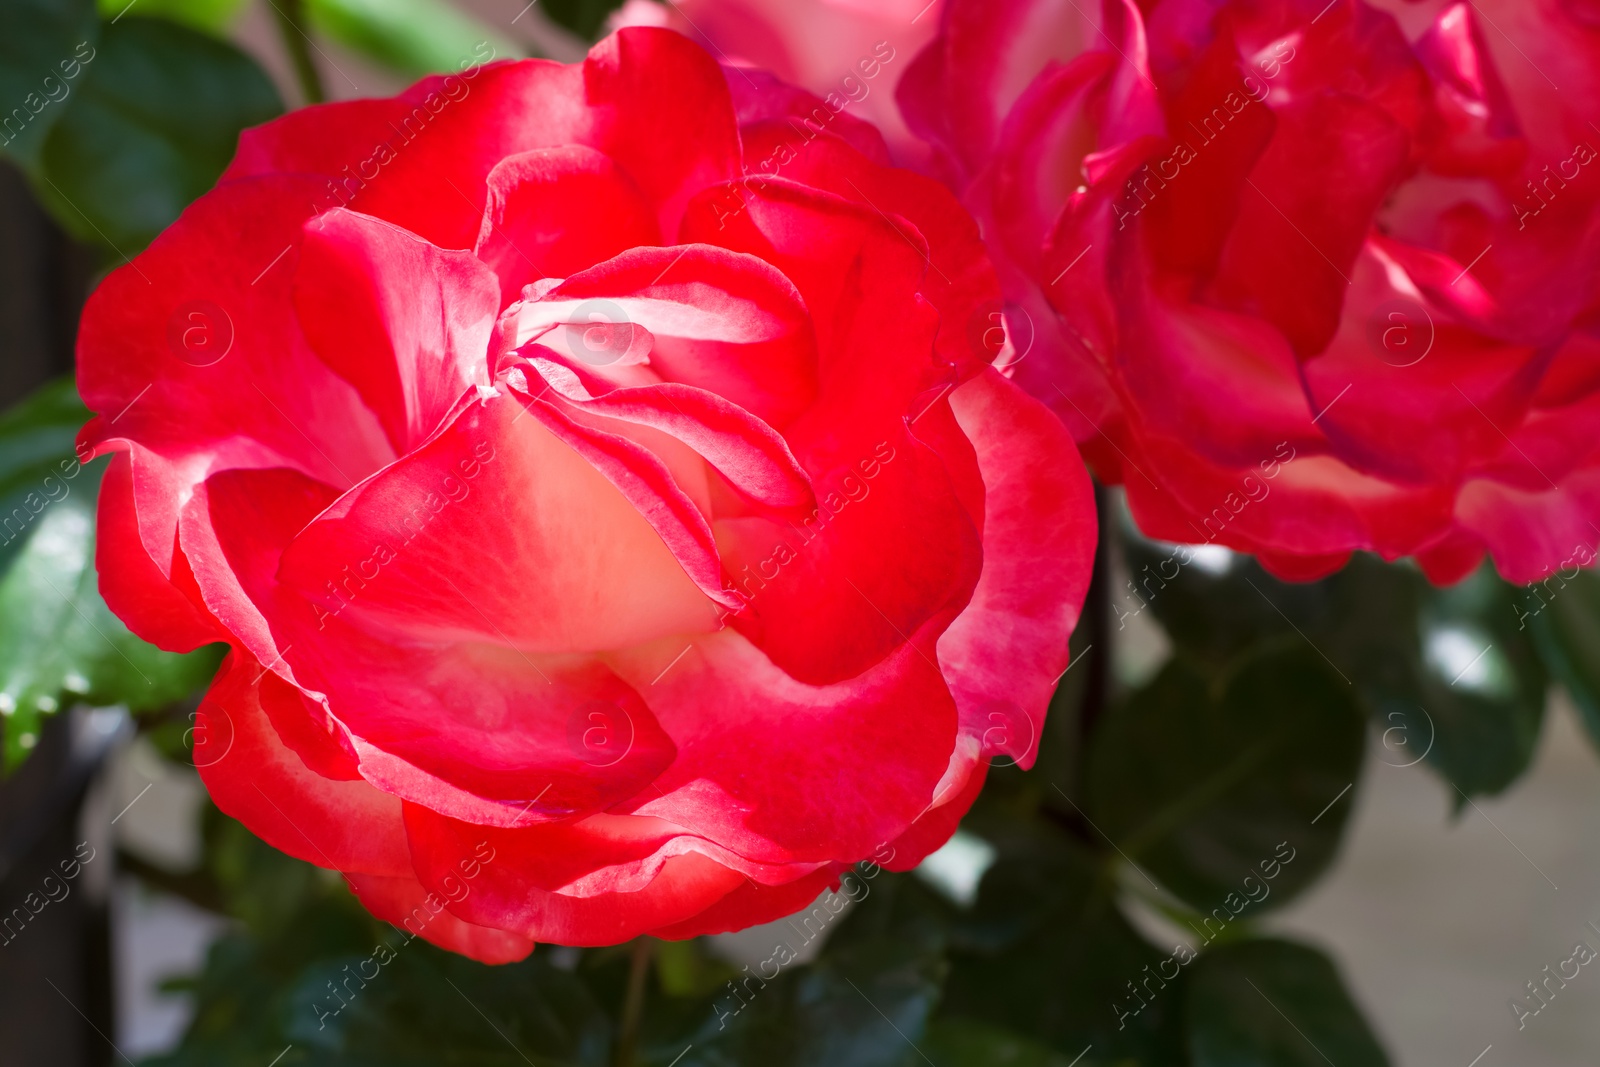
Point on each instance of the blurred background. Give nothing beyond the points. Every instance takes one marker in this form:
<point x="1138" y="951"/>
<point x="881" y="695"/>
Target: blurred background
<point x="1439" y="909"/>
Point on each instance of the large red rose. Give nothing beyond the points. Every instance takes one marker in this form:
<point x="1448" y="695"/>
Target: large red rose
<point x="1307" y="277"/>
<point x="607" y="544"/>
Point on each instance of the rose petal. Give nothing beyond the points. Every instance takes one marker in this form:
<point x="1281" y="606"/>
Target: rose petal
<point x="405" y="323"/>
<point x="252" y="776"/>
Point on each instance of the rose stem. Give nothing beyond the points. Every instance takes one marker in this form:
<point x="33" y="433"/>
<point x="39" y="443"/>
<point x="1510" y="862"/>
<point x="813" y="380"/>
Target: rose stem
<point x="292" y="27"/>
<point x="633" y="1002"/>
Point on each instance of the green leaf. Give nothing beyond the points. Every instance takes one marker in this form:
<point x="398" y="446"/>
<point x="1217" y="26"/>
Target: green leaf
<point x="1484" y="685"/>
<point x="153" y="123"/>
<point x="1384" y="627"/>
<point x="964" y="1043"/>
<point x="265" y="985"/>
<point x="1045" y="954"/>
<point x="427" y="1007"/>
<point x="209" y="16"/>
<point x="58" y="640"/>
<point x="1563" y="617"/>
<point x="42" y="53"/>
<point x="1274" y="1004"/>
<point x="1206" y="784"/>
<point x="414" y="37"/>
<point x="865" y="1002"/>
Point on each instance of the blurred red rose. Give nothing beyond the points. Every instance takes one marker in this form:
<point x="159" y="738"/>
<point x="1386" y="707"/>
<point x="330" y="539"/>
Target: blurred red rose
<point x="850" y="53"/>
<point x="1308" y="277"/>
<point x="607" y="543"/>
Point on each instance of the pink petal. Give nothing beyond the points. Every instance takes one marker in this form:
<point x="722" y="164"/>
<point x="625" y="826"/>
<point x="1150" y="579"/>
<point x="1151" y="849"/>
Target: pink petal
<point x="1403" y="392"/>
<point x="1009" y="647"/>
<point x="1305" y="213"/>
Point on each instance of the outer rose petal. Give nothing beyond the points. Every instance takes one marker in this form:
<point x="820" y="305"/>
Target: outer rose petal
<point x="434" y="164"/>
<point x="404" y="322"/>
<point x="346" y="825"/>
<point x="503" y="897"/>
<point x="852" y="52"/>
<point x="1009" y="647"/>
<point x="762" y="99"/>
<point x="133" y="586"/>
<point x="1285" y="504"/>
<point x="1225" y="384"/>
<point x="474" y="730"/>
<point x="233" y="532"/>
<point x="595" y="854"/>
<point x="825" y="599"/>
<point x="935" y="826"/>
<point x="1406" y="393"/>
<point x="1356" y="152"/>
<point x="989" y="51"/>
<point x="404" y="902"/>
<point x="861" y="758"/>
<point x="750" y="903"/>
<point x="209" y="371"/>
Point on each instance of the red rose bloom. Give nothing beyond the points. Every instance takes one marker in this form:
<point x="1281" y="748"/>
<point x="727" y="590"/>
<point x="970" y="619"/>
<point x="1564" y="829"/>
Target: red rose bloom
<point x="1307" y="277"/>
<point x="606" y="544"/>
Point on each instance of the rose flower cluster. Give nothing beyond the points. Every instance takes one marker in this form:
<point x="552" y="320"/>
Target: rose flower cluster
<point x="626" y="472"/>
<point x="582" y="508"/>
<point x="1307" y="277"/>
